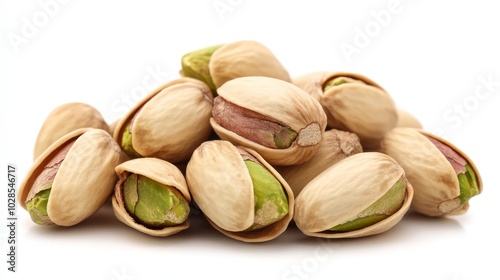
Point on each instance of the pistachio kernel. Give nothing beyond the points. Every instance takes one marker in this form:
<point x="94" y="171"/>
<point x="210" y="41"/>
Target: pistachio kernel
<point x="271" y="203"/>
<point x="153" y="204"/>
<point x="338" y="81"/>
<point x="384" y="207"/>
<point x="253" y="126"/>
<point x="195" y="65"/>
<point x="126" y="143"/>
<point x="37" y="207"/>
<point x="467" y="178"/>
<point x="38" y="196"/>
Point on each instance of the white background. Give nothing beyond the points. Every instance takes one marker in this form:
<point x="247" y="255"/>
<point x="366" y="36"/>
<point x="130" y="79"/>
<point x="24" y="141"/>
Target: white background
<point x="431" y="57"/>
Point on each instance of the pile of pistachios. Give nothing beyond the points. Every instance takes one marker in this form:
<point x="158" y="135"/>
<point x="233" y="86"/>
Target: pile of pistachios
<point x="253" y="150"/>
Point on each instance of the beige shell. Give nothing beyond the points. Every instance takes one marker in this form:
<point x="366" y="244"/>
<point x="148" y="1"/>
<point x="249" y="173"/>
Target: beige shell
<point x="365" y="109"/>
<point x="283" y="102"/>
<point x="222" y="188"/>
<point x="171" y="121"/>
<point x="64" y="119"/>
<point x="432" y="176"/>
<point x="242" y="59"/>
<point x="336" y="146"/>
<point x="158" y="170"/>
<point x="345" y="189"/>
<point x="85" y="179"/>
<point x="405" y="119"/>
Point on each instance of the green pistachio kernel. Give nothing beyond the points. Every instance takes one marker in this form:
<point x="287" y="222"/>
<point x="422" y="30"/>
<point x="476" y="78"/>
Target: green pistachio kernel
<point x="468" y="184"/>
<point x="271" y="203"/>
<point x="195" y="65"/>
<point x="384" y="207"/>
<point x="37" y="207"/>
<point x="338" y="81"/>
<point x="153" y="204"/>
<point x="126" y="144"/>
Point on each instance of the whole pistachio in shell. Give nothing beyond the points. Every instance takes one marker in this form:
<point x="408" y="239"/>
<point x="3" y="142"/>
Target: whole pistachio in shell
<point x="336" y="146"/>
<point x="354" y="103"/>
<point x="361" y="195"/>
<point x="405" y="119"/>
<point x="444" y="177"/>
<point x="218" y="64"/>
<point x="169" y="123"/>
<point x="64" y="119"/>
<point x="241" y="195"/>
<point x="72" y="178"/>
<point x="151" y="196"/>
<point x="278" y="120"/>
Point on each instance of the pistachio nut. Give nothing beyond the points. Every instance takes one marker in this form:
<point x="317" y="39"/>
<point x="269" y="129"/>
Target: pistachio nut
<point x="241" y="195"/>
<point x="361" y="195"/>
<point x="169" y="123"/>
<point x="405" y="119"/>
<point x="151" y="196"/>
<point x="354" y="103"/>
<point x="336" y="146"/>
<point x="444" y="177"/>
<point x="278" y="120"/>
<point x="64" y="119"/>
<point x="72" y="178"/>
<point x="218" y="64"/>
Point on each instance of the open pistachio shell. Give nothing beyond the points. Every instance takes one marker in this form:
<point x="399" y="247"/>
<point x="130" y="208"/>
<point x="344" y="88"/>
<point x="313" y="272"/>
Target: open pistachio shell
<point x="346" y="189"/>
<point x="242" y="59"/>
<point x="274" y="102"/>
<point x="84" y="180"/>
<point x="222" y="187"/>
<point x="170" y="122"/>
<point x="64" y="119"/>
<point x="336" y="146"/>
<point x="437" y="188"/>
<point x="364" y="107"/>
<point x="158" y="170"/>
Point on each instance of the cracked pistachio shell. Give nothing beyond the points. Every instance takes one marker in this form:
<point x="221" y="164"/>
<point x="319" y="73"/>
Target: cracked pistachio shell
<point x="346" y="189"/>
<point x="242" y="59"/>
<point x="64" y="119"/>
<point x="283" y="103"/>
<point x="221" y="186"/>
<point x="171" y="121"/>
<point x="85" y="179"/>
<point x="431" y="174"/>
<point x="362" y="108"/>
<point x="158" y="170"/>
<point x="335" y="146"/>
<point x="405" y="119"/>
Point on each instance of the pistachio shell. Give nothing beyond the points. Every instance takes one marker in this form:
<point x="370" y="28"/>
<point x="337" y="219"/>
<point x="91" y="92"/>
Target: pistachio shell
<point x="242" y="59"/>
<point x="345" y="189"/>
<point x="405" y="119"/>
<point x="365" y="109"/>
<point x="221" y="186"/>
<point x="64" y="119"/>
<point x="431" y="174"/>
<point x="158" y="170"/>
<point x="85" y="178"/>
<point x="285" y="104"/>
<point x="171" y="121"/>
<point x="335" y="146"/>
